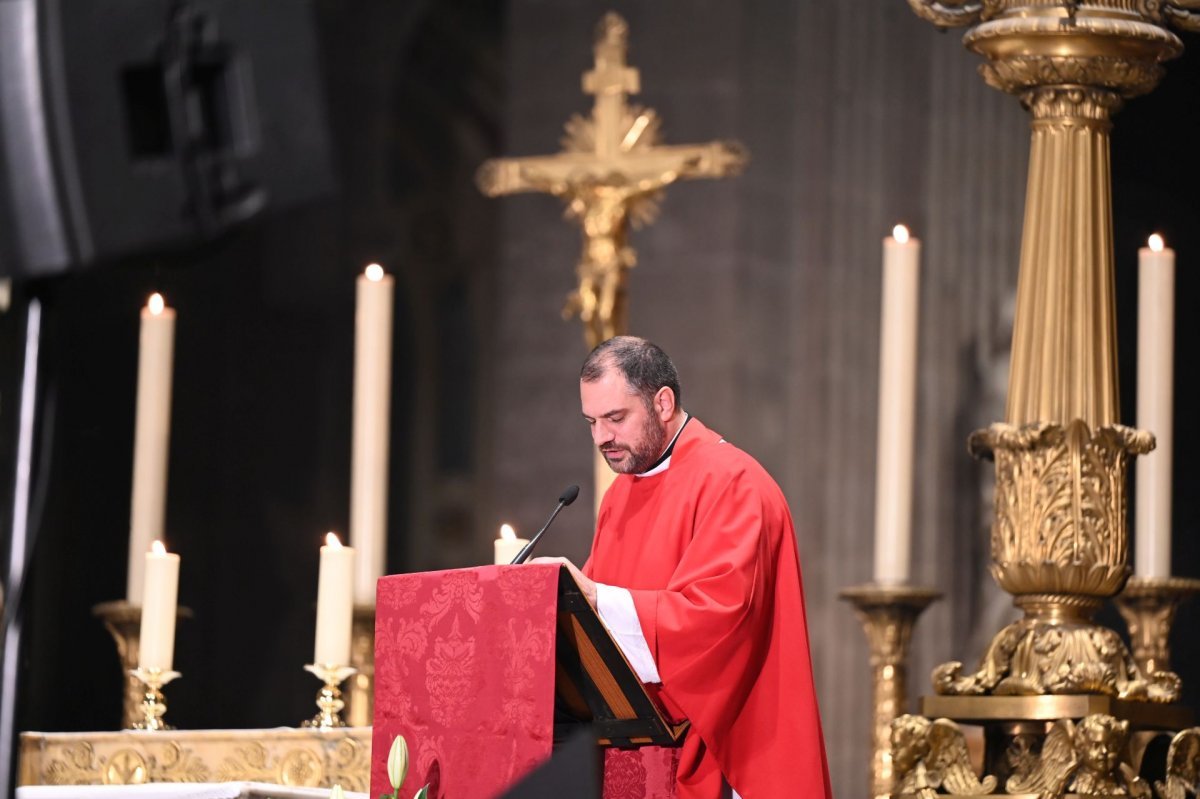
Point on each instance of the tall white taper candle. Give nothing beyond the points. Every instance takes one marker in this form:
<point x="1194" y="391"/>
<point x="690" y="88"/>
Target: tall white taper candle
<point x="1156" y="358"/>
<point x="156" y="645"/>
<point x="152" y="432"/>
<point x="372" y="405"/>
<point x="897" y="401"/>
<point x="335" y="604"/>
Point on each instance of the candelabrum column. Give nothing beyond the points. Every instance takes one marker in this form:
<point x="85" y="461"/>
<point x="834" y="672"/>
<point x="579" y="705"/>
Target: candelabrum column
<point x="360" y="699"/>
<point x="1148" y="605"/>
<point x="888" y="613"/>
<point x="1059" y="541"/>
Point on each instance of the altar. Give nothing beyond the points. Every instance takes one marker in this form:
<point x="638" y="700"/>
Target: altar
<point x="121" y="763"/>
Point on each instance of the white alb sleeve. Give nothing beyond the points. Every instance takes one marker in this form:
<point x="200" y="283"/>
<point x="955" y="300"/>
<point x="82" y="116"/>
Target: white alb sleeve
<point x="616" y="610"/>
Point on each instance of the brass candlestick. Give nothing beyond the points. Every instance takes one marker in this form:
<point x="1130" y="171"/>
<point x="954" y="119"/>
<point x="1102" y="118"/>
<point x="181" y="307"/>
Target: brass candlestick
<point x="1148" y="605"/>
<point x="360" y="699"/>
<point x="153" y="706"/>
<point x="123" y="622"/>
<point x="887" y="613"/>
<point x="329" y="698"/>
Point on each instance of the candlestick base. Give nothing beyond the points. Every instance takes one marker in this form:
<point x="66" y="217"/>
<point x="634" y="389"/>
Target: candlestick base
<point x="329" y="698"/>
<point x="123" y="621"/>
<point x="1148" y="605"/>
<point x="888" y="613"/>
<point x="360" y="695"/>
<point x="153" y="705"/>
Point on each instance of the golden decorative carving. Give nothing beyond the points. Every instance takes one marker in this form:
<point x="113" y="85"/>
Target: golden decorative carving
<point x="1059" y="545"/>
<point x="301" y="758"/>
<point x="1083" y="758"/>
<point x="1183" y="766"/>
<point x="929" y="755"/>
<point x="1060" y="506"/>
<point x="1148" y="606"/>
<point x="887" y="613"/>
<point x="610" y="175"/>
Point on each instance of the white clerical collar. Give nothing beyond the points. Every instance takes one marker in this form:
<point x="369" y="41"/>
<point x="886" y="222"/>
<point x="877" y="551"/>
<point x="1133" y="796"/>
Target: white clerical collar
<point x="664" y="460"/>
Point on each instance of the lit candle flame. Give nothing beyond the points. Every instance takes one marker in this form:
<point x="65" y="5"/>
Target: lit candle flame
<point x="507" y="532"/>
<point x="331" y="540"/>
<point x="900" y="234"/>
<point x="157" y="548"/>
<point x="156" y="303"/>
<point x="1155" y="242"/>
<point x="374" y="273"/>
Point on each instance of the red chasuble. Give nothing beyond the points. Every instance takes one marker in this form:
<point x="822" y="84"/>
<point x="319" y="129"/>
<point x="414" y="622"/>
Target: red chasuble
<point x="708" y="551"/>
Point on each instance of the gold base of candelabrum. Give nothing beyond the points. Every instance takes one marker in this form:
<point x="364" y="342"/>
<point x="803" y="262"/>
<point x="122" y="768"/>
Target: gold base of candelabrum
<point x="124" y="622"/>
<point x="1148" y="605"/>
<point x="887" y="613"/>
<point x="329" y="698"/>
<point x="360" y="695"/>
<point x="153" y="705"/>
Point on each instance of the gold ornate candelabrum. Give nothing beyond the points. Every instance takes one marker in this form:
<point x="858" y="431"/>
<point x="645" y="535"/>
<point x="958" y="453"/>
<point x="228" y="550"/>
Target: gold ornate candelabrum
<point x="1055" y="692"/>
<point x="360" y="699"/>
<point x="888" y="613"/>
<point x="1148" y="606"/>
<point x="123" y="621"/>
<point x="329" y="698"/>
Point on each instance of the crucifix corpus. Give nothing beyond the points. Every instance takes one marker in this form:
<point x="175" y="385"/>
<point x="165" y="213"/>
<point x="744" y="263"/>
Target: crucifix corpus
<point x="611" y="172"/>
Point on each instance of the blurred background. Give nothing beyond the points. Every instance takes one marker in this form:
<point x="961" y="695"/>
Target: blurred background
<point x="332" y="134"/>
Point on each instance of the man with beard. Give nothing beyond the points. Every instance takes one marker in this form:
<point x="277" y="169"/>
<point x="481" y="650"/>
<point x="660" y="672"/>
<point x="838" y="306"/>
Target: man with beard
<point x="694" y="570"/>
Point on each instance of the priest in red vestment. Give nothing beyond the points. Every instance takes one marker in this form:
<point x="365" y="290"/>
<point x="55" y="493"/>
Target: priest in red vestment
<point x="694" y="570"/>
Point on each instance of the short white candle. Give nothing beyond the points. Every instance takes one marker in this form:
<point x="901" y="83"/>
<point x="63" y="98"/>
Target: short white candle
<point x="156" y="647"/>
<point x="335" y="604"/>
<point x="1156" y="358"/>
<point x="152" y="431"/>
<point x="897" y="404"/>
<point x="372" y="406"/>
<point x="508" y="545"/>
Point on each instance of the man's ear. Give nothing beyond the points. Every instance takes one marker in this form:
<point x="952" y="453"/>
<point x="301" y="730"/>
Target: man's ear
<point x="664" y="404"/>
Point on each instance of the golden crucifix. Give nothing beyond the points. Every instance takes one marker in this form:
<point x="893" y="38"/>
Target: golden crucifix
<point x="611" y="172"/>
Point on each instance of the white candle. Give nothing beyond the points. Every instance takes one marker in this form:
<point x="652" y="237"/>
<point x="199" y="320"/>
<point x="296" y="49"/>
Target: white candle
<point x="372" y="404"/>
<point x="897" y="402"/>
<point x="508" y="545"/>
<point x="156" y="648"/>
<point x="335" y="604"/>
<point x="152" y="429"/>
<point x="1156" y="354"/>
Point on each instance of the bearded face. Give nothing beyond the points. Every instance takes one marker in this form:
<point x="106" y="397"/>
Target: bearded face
<point x="624" y="426"/>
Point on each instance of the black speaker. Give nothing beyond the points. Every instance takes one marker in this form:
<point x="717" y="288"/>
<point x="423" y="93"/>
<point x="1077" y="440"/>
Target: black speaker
<point x="130" y="126"/>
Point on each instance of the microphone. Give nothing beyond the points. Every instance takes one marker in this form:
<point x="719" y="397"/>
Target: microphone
<point x="564" y="499"/>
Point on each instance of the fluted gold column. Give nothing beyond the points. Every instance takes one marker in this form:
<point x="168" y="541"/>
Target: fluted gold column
<point x="1064" y="357"/>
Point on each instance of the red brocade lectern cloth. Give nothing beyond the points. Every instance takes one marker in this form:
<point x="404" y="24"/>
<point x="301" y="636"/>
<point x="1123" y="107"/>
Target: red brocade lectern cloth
<point x="464" y="669"/>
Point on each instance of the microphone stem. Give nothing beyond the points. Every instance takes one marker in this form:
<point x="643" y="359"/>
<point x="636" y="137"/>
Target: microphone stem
<point x="528" y="548"/>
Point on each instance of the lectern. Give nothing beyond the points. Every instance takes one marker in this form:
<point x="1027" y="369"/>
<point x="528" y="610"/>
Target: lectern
<point x="483" y="669"/>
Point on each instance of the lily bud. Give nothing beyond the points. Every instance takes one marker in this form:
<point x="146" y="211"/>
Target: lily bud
<point x="397" y="764"/>
<point x="337" y="793"/>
